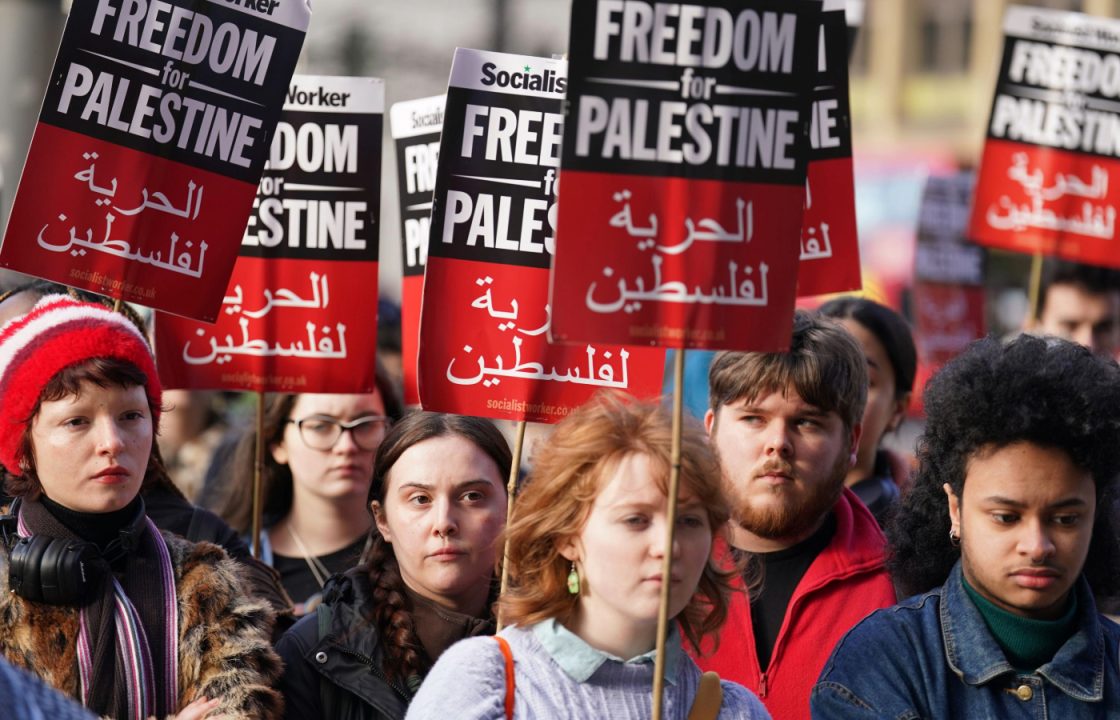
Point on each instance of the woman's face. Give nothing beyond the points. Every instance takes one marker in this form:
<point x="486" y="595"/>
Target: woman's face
<point x="91" y="450"/>
<point x="337" y="472"/>
<point x="621" y="548"/>
<point x="445" y="503"/>
<point x="883" y="410"/>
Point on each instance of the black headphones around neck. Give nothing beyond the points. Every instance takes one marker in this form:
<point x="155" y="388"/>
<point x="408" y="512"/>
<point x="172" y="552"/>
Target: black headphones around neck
<point x="60" y="571"/>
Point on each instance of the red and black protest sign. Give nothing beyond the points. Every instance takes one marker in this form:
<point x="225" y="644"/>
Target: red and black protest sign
<point x="416" y="127"/>
<point x="829" y="244"/>
<point x="300" y="312"/>
<point x="854" y="9"/>
<point x="155" y="128"/>
<point x="1050" y="176"/>
<point x="948" y="271"/>
<point x="484" y="346"/>
<point x="684" y="161"/>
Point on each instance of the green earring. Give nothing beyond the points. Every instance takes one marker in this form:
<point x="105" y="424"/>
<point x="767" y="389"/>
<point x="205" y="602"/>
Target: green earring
<point x="573" y="581"/>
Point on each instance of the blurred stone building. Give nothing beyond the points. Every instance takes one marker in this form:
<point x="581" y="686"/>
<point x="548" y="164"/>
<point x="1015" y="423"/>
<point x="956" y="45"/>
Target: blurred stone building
<point x="923" y="71"/>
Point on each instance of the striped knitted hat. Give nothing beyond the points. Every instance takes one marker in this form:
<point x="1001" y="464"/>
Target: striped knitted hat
<point x="59" y="332"/>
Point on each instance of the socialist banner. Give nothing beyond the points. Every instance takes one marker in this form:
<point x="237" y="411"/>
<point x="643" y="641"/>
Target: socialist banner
<point x="1049" y="179"/>
<point x="416" y="127"/>
<point x="155" y="128"/>
<point x="949" y="272"/>
<point x="684" y="172"/>
<point x="829" y="244"/>
<point x="483" y="329"/>
<point x="300" y="312"/>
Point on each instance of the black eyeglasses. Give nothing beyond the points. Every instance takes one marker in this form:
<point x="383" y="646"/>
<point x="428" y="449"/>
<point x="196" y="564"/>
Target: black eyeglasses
<point x="321" y="432"/>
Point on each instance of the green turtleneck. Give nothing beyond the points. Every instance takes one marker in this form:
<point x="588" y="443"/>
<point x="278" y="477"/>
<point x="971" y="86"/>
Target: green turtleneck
<point x="1028" y="644"/>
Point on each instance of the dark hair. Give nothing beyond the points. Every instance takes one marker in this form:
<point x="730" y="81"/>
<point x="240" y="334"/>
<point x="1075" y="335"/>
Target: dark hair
<point x="1043" y="391"/>
<point x="888" y="327"/>
<point x="102" y="372"/>
<point x="824" y="364"/>
<point x="157" y="475"/>
<point x="391" y="612"/>
<point x="1091" y="279"/>
<point x="236" y="504"/>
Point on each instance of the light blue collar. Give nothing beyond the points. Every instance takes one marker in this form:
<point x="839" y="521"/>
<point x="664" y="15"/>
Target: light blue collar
<point x="580" y="661"/>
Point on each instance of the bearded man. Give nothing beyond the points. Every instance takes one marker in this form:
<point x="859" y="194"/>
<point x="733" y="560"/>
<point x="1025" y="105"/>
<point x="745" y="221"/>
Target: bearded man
<point x="787" y="426"/>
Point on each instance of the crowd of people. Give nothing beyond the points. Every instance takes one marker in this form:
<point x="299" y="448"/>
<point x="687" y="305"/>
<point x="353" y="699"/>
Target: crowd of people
<point x="815" y="573"/>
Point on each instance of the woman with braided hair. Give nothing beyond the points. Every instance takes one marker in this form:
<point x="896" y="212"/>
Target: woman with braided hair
<point x="586" y="554"/>
<point x="438" y="502"/>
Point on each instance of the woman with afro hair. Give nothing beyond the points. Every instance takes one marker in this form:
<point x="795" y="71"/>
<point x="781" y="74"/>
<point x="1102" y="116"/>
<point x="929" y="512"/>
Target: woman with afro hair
<point x="1007" y="535"/>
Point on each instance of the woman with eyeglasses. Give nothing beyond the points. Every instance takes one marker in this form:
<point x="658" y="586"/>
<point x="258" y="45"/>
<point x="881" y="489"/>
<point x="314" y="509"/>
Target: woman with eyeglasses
<point x="318" y="464"/>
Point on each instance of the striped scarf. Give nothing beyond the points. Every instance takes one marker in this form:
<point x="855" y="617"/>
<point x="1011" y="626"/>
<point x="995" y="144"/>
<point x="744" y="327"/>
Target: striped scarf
<point x="118" y="672"/>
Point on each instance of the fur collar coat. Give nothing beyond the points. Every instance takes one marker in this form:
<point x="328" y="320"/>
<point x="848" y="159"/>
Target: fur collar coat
<point x="224" y="648"/>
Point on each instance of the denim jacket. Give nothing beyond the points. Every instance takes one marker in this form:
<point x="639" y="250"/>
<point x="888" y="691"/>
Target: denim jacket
<point x="932" y="656"/>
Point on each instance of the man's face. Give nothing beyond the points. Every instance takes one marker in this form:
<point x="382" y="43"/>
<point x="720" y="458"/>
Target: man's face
<point x="784" y="462"/>
<point x="1089" y="319"/>
<point x="1025" y="520"/>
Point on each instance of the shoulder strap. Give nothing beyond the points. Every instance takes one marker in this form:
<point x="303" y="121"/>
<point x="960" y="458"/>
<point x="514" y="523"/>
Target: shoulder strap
<point x="709" y="698"/>
<point x="507" y="653"/>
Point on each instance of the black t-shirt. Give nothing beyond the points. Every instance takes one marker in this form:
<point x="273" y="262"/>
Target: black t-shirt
<point x="296" y="575"/>
<point x="781" y="572"/>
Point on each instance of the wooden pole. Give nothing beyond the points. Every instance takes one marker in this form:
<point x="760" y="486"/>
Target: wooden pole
<point x="1034" y="294"/>
<point x="116" y="305"/>
<point x="511" y="488"/>
<point x="667" y="566"/>
<point x="258" y="467"/>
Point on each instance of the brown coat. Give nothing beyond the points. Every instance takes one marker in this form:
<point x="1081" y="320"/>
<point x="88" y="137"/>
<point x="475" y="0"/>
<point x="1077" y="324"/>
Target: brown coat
<point x="224" y="649"/>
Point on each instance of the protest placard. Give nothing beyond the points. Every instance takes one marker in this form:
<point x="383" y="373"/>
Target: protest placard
<point x="948" y="271"/>
<point x="829" y="243"/>
<point x="416" y="127"/>
<point x="1046" y="178"/>
<point x="300" y="312"/>
<point x="684" y="161"/>
<point x="854" y="9"/>
<point x="485" y="318"/>
<point x="152" y="137"/>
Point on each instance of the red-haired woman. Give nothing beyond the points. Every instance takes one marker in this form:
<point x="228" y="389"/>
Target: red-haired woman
<point x="586" y="547"/>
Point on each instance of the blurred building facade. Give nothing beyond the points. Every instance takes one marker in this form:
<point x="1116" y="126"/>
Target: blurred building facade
<point x="923" y="71"/>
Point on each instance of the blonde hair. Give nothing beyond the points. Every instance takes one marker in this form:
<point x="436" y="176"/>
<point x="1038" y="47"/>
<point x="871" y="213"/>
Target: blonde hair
<point x="567" y="475"/>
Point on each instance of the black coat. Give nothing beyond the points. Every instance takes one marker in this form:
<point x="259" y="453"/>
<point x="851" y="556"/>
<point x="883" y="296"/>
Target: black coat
<point x="170" y="511"/>
<point x="348" y="658"/>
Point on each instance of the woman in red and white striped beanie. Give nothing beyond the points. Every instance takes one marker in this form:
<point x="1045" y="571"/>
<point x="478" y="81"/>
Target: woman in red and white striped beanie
<point x="103" y="605"/>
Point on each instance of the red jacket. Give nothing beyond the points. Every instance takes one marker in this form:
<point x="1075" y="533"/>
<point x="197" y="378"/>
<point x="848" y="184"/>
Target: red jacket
<point x="845" y="583"/>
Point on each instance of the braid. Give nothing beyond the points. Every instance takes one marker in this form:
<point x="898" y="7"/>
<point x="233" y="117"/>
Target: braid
<point x="392" y="614"/>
